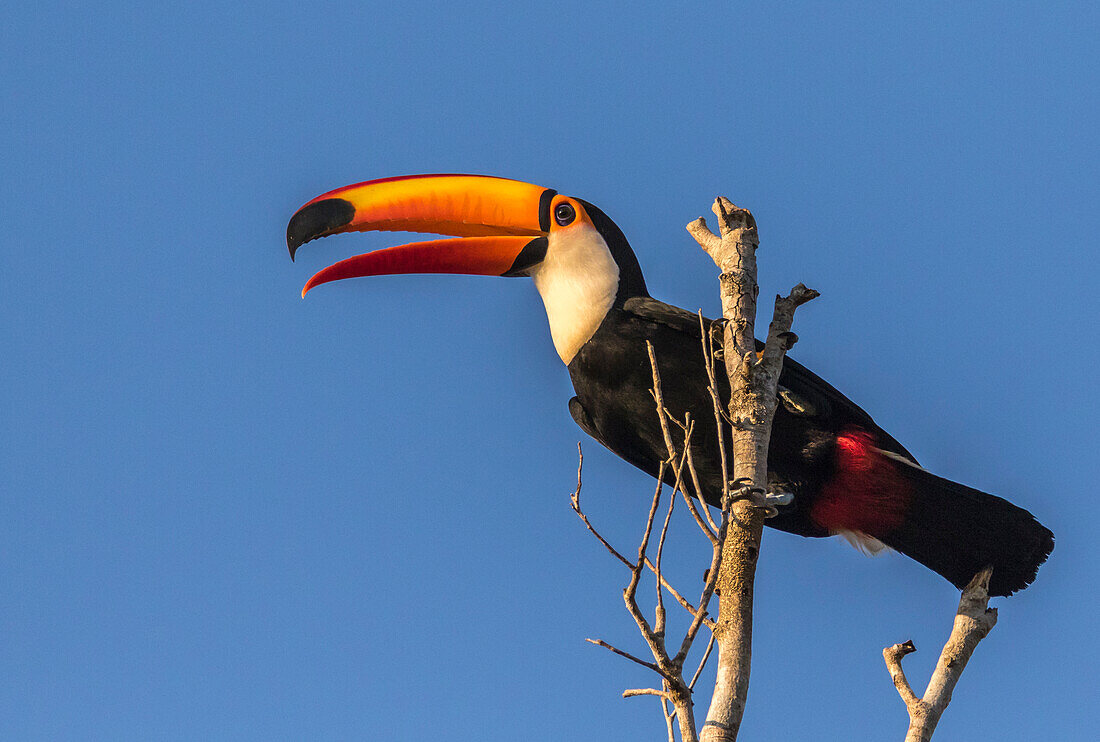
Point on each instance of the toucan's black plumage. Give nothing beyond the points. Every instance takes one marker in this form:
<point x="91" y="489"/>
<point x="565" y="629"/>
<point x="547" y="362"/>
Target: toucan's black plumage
<point x="847" y="475"/>
<point x="950" y="528"/>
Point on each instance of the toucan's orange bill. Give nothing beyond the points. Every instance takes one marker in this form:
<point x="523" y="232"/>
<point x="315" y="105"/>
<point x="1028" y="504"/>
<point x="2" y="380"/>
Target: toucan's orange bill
<point x="459" y="205"/>
<point x="503" y="225"/>
<point x="489" y="256"/>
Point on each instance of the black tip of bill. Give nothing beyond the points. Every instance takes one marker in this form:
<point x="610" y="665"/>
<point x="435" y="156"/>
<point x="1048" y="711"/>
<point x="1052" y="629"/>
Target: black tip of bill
<point x="316" y="220"/>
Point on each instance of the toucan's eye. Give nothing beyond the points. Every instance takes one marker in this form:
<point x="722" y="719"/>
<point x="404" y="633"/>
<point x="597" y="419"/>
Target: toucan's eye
<point x="564" y="214"/>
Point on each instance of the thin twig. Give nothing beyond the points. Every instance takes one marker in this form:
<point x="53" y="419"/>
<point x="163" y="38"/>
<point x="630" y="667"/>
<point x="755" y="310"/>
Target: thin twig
<point x="575" y="503"/>
<point x="659" y="624"/>
<point x="720" y="416"/>
<point x="627" y="655"/>
<point x="703" y="661"/>
<point x="679" y="598"/>
<point x="659" y="398"/>
<point x="695" y="477"/>
<point x="708" y="591"/>
<point x="689" y="457"/>
<point x="575" y="500"/>
<point x="634" y="692"/>
<point x="653" y="639"/>
<point x="669" y="716"/>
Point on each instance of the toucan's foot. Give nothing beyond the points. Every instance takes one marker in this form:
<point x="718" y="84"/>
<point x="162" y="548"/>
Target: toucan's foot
<point x="769" y="502"/>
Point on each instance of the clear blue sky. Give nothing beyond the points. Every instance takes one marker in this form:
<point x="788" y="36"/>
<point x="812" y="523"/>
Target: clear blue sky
<point x="228" y="513"/>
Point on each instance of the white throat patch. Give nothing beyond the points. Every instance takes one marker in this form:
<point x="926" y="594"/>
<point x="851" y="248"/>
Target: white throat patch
<point x="578" y="281"/>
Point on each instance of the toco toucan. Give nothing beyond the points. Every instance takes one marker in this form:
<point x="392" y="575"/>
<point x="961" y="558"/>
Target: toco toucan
<point x="847" y="476"/>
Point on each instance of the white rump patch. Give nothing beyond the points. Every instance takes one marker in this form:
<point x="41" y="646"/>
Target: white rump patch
<point x="864" y="544"/>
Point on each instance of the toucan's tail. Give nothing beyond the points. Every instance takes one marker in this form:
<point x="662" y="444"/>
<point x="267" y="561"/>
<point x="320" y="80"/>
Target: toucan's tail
<point x="957" y="531"/>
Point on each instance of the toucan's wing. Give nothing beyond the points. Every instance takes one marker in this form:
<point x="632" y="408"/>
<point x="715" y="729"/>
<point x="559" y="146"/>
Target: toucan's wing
<point x="652" y="310"/>
<point x="802" y="392"/>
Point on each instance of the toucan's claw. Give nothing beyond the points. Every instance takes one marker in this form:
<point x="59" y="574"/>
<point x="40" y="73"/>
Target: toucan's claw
<point x="769" y="502"/>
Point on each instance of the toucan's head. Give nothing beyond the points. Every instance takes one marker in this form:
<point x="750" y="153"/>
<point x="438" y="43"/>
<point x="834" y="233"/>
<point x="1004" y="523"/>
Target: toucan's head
<point x="581" y="262"/>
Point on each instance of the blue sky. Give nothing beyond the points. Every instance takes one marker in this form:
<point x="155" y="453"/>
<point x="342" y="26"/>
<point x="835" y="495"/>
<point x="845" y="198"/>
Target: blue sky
<point x="228" y="513"/>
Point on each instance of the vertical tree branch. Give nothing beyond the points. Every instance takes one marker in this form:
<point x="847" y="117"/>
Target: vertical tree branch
<point x="753" y="382"/>
<point x="973" y="622"/>
<point x="735" y="539"/>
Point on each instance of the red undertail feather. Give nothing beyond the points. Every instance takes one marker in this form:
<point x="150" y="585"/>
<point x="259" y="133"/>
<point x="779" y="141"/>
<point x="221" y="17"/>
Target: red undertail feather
<point x="953" y="529"/>
<point x="867" y="493"/>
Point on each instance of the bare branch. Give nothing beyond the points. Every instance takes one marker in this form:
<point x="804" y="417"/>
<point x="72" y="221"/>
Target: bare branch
<point x="973" y="622"/>
<point x="684" y="602"/>
<point x="713" y="574"/>
<point x="679" y="598"/>
<point x="753" y="381"/>
<point x="689" y="457"/>
<point x="669" y="715"/>
<point x="634" y="692"/>
<point x="627" y="655"/>
<point x="575" y="500"/>
<point x="659" y="624"/>
<point x="703" y="661"/>
<point x="719" y="415"/>
<point x="893" y="656"/>
<point x="702" y="234"/>
<point x="637" y="566"/>
<point x="653" y="638"/>
<point x="695" y="479"/>
<point x="780" y="337"/>
<point x="676" y="690"/>
<point x="672" y="455"/>
<point x="753" y="385"/>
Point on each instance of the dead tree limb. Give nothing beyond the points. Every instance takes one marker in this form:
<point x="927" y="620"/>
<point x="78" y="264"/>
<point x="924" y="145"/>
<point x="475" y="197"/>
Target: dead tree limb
<point x="973" y="621"/>
<point x="735" y="538"/>
<point x="753" y="382"/>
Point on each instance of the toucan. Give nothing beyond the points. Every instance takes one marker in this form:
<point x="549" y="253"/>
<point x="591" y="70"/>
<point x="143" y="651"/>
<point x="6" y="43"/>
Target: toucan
<point x="846" y="474"/>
